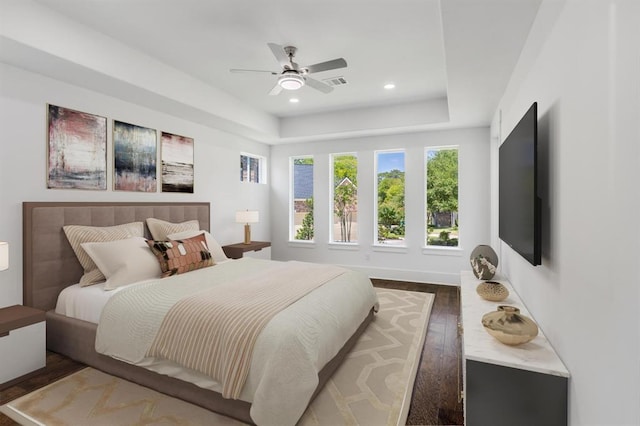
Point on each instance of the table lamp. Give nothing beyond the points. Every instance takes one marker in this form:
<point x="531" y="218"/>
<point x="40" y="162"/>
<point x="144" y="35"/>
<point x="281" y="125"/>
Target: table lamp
<point x="247" y="217"/>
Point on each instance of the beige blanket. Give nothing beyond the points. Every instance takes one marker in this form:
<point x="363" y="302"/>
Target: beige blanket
<point x="214" y="331"/>
<point x="288" y="354"/>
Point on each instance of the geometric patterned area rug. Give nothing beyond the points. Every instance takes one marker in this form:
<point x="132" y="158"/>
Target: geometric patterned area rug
<point x="372" y="387"/>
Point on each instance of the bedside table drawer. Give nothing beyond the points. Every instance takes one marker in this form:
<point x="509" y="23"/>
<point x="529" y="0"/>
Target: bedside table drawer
<point x="264" y="253"/>
<point x="22" y="351"/>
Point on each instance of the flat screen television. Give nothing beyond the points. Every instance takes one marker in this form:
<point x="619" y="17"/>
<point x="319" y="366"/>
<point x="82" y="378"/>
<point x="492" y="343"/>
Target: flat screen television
<point x="519" y="204"/>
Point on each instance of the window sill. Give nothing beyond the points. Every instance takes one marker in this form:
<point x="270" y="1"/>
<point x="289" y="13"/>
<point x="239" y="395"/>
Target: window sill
<point x="302" y="243"/>
<point x="442" y="251"/>
<point x="385" y="248"/>
<point x="344" y="246"/>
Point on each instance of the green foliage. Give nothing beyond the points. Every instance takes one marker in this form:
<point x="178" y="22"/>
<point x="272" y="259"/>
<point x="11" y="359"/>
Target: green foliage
<point x="305" y="160"/>
<point x="345" y="166"/>
<point x="306" y="231"/>
<point x="391" y="205"/>
<point x="345" y="193"/>
<point x="442" y="181"/>
<point x="451" y="242"/>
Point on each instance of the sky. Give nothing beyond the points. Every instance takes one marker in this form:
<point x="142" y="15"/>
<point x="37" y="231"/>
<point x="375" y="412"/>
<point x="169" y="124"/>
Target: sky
<point x="390" y="160"/>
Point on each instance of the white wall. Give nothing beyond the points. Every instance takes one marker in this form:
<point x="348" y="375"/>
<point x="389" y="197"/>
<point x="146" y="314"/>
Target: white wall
<point x="414" y="263"/>
<point x="23" y="142"/>
<point x="586" y="79"/>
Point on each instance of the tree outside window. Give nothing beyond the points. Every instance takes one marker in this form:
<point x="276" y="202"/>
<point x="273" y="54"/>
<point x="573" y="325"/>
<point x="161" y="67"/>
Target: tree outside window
<point x="390" y="187"/>
<point x="442" y="197"/>
<point x="345" y="198"/>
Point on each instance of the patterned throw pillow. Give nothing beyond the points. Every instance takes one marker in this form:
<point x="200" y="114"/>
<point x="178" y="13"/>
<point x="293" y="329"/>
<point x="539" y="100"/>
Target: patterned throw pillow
<point x="180" y="256"/>
<point x="78" y="234"/>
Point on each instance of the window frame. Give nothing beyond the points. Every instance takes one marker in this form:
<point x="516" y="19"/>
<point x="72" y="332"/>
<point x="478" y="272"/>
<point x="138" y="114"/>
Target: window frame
<point x="434" y="248"/>
<point x="262" y="168"/>
<point x="377" y="244"/>
<point x="292" y="207"/>
<point x="332" y="236"/>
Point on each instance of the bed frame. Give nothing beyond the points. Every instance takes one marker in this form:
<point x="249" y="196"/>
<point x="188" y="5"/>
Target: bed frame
<point x="50" y="265"/>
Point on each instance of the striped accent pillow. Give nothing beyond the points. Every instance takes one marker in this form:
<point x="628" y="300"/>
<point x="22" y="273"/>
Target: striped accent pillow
<point x="180" y="256"/>
<point x="161" y="228"/>
<point x="78" y="234"/>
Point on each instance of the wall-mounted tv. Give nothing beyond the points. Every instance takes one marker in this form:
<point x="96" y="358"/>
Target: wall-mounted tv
<point x="520" y="207"/>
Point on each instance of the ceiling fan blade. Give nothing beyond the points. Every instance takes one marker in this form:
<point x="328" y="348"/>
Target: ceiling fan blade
<point x="328" y="65"/>
<point x="276" y="90"/>
<point x="318" y="85"/>
<point x="240" y="70"/>
<point x="279" y="53"/>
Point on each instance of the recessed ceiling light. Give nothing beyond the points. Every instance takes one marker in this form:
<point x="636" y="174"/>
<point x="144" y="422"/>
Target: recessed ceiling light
<point x="294" y="100"/>
<point x="389" y="86"/>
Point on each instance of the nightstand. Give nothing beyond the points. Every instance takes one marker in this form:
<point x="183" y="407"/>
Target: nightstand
<point x="256" y="249"/>
<point x="22" y="343"/>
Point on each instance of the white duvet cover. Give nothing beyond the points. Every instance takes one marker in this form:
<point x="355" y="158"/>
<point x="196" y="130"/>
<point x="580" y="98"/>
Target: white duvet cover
<point x="290" y="351"/>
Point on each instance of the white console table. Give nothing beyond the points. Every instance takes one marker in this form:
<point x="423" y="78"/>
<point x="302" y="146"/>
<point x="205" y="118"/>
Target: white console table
<point x="507" y="385"/>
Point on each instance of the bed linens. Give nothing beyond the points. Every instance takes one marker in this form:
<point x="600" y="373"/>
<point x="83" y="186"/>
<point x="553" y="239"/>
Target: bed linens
<point x="288" y="353"/>
<point x="232" y="315"/>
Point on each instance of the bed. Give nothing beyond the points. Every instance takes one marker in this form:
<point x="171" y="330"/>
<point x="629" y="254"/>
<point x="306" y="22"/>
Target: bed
<point x="50" y="266"/>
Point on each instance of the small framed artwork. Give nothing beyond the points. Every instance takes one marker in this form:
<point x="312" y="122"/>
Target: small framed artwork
<point x="135" y="151"/>
<point x="76" y="149"/>
<point x="177" y="163"/>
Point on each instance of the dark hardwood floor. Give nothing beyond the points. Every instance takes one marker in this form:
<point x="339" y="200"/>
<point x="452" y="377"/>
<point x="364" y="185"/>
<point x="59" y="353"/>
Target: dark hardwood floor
<point x="439" y="380"/>
<point x="436" y="390"/>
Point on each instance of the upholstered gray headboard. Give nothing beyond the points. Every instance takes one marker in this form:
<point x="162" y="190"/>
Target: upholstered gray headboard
<point x="49" y="263"/>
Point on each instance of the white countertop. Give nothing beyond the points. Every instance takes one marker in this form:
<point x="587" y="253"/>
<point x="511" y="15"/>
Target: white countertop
<point x="478" y="345"/>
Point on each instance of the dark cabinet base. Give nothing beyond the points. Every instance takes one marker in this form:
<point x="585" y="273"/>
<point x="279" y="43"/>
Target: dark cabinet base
<point x="497" y="395"/>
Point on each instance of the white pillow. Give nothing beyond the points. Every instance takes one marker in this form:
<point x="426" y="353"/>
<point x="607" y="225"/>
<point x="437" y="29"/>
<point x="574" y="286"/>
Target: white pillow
<point x="214" y="247"/>
<point x="78" y="234"/>
<point x="160" y="229"/>
<point x="124" y="261"/>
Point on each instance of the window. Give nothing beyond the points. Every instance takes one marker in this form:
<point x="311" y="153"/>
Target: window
<point x="302" y="198"/>
<point x="252" y="168"/>
<point x="390" y="188"/>
<point x="442" y="196"/>
<point x="344" y="198"/>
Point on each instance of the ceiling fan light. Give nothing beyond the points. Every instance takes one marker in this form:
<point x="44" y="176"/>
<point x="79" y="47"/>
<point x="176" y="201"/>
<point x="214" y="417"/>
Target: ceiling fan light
<point x="291" y="81"/>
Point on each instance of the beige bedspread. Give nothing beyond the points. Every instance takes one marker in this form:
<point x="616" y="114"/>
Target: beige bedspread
<point x="288" y="353"/>
<point x="214" y="331"/>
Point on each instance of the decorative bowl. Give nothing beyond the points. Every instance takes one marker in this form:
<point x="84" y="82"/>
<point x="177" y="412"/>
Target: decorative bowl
<point x="492" y="290"/>
<point x="509" y="326"/>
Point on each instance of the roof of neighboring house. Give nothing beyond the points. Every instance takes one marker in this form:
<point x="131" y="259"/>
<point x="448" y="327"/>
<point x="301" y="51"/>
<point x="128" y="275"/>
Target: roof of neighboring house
<point x="303" y="178"/>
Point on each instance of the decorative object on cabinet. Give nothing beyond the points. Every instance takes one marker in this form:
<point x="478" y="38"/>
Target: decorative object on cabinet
<point x="531" y="376"/>
<point x="4" y="255"/>
<point x="247" y="217"/>
<point x="177" y="163"/>
<point x="509" y="326"/>
<point x="492" y="290"/>
<point x="76" y="149"/>
<point x="484" y="262"/>
<point x="134" y="158"/>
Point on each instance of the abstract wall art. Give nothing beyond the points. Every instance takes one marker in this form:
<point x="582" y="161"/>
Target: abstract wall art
<point x="134" y="158"/>
<point x="77" y="149"/>
<point x="177" y="163"/>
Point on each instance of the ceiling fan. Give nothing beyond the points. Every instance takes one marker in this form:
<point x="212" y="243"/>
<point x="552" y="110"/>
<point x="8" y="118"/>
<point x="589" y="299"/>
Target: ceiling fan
<point x="292" y="76"/>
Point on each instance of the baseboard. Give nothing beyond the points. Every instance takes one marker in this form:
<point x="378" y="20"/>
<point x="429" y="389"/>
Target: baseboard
<point x="429" y="277"/>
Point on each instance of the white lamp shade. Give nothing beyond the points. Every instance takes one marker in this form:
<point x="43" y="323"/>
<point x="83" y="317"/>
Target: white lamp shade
<point x="4" y="255"/>
<point x="247" y="216"/>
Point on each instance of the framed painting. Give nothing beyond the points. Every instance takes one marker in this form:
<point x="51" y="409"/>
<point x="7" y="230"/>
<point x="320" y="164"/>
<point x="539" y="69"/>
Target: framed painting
<point x="177" y="163"/>
<point x="76" y="149"/>
<point x="135" y="151"/>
